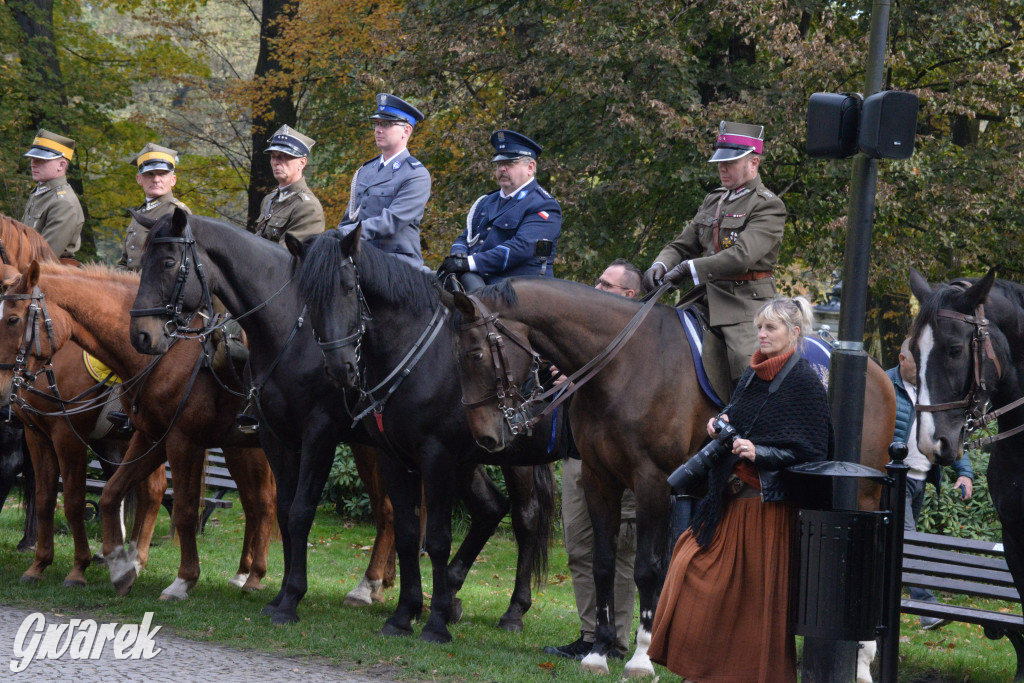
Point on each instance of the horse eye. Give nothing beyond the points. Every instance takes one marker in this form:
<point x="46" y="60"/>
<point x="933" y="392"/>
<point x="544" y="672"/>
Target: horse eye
<point x="13" y="320"/>
<point x="476" y="356"/>
<point x="955" y="351"/>
<point x="169" y="263"/>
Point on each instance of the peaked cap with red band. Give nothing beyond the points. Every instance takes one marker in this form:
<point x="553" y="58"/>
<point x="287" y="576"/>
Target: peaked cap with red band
<point x="737" y="140"/>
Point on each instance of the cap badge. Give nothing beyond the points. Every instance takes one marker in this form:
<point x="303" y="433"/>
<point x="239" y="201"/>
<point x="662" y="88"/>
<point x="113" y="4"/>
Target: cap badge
<point x="382" y="99"/>
<point x="501" y="136"/>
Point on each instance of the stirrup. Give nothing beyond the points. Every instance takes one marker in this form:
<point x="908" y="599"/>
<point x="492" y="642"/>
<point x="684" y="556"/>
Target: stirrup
<point x="247" y="424"/>
<point x="122" y="423"/>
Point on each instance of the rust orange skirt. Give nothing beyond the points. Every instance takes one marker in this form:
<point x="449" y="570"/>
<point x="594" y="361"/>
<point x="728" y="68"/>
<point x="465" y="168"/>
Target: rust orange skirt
<point x="723" y="614"/>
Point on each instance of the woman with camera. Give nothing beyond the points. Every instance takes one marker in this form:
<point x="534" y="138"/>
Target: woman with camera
<point x="723" y="612"/>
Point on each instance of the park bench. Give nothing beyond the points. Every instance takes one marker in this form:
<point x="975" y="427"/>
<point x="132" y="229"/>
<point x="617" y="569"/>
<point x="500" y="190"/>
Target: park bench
<point x="217" y="482"/>
<point x="966" y="567"/>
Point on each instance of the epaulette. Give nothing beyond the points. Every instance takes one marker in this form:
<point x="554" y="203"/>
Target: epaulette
<point x="304" y="196"/>
<point x="370" y="161"/>
<point x="765" y="192"/>
<point x="178" y="202"/>
<point x="414" y="162"/>
<point x="544" y="192"/>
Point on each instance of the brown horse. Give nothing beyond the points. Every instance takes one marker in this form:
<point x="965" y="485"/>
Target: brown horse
<point x="178" y="409"/>
<point x="634" y="422"/>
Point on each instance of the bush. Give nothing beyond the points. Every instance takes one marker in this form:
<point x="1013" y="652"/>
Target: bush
<point x="345" y="489"/>
<point x="948" y="514"/>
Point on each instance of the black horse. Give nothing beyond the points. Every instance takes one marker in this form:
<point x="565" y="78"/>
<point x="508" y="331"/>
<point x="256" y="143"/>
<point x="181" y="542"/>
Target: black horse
<point x="302" y="414"/>
<point x="14" y="461"/>
<point x="968" y="340"/>
<point x="386" y="328"/>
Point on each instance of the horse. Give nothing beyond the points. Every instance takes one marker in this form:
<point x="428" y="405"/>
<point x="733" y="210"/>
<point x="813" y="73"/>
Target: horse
<point x="968" y="340"/>
<point x="15" y="461"/>
<point x="302" y="413"/>
<point x="635" y="421"/>
<point x="178" y="412"/>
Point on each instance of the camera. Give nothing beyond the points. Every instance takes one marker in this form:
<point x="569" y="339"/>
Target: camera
<point x="695" y="470"/>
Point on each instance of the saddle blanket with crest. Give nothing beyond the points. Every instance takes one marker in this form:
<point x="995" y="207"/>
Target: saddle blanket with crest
<point x="817" y="352"/>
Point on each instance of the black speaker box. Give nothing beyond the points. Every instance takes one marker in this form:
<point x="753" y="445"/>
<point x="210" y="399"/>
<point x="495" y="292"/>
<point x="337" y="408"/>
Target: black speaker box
<point x="832" y="122"/>
<point x="888" y="124"/>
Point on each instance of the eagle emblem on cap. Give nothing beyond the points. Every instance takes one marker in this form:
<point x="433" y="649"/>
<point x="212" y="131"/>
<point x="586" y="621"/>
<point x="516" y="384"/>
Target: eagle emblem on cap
<point x="721" y="127"/>
<point x="501" y="136"/>
<point x="382" y="99"/>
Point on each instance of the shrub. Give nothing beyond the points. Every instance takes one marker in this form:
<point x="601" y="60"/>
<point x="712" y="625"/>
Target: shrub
<point x="345" y="489"/>
<point x="948" y="514"/>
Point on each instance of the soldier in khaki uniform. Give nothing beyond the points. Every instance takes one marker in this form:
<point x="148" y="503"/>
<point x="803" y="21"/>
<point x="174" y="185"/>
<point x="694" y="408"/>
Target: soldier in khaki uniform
<point x="156" y="176"/>
<point x="53" y="209"/>
<point x="290" y="208"/>
<point x="732" y="244"/>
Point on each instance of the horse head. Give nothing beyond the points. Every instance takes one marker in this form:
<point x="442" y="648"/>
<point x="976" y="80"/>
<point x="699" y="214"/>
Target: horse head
<point x="961" y="356"/>
<point x="495" y="361"/>
<point x="168" y="290"/>
<point x="28" y="335"/>
<point x="329" y="285"/>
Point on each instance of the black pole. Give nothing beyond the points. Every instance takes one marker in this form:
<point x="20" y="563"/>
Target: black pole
<point x="836" y="661"/>
<point x="890" y="632"/>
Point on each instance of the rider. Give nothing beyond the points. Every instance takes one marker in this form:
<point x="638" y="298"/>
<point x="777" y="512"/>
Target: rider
<point x="503" y="227"/>
<point x="53" y="209"/>
<point x="390" y="192"/>
<point x="291" y="208"/>
<point x="156" y="176"/>
<point x="731" y="245"/>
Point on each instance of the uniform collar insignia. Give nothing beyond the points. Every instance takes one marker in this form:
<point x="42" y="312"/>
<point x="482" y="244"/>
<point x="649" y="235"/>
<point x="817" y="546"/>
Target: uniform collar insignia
<point x="521" y="195"/>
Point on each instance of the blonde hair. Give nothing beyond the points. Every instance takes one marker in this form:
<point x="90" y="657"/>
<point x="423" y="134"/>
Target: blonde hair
<point x="795" y="312"/>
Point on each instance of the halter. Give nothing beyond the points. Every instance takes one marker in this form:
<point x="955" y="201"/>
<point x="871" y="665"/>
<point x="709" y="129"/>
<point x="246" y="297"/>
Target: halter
<point x="365" y="316"/>
<point x="177" y="325"/>
<point x="35" y="316"/>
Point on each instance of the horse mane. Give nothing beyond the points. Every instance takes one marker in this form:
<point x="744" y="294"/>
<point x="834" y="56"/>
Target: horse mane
<point x="23" y="244"/>
<point x="381" y="275"/>
<point x="92" y="271"/>
<point x="502" y="291"/>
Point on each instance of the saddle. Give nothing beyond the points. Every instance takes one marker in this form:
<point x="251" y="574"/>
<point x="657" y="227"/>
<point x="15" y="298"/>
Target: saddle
<point x="111" y="422"/>
<point x="707" y="347"/>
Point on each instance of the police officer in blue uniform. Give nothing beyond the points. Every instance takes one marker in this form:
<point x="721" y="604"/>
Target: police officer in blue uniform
<point x="390" y="192"/>
<point x="503" y="228"/>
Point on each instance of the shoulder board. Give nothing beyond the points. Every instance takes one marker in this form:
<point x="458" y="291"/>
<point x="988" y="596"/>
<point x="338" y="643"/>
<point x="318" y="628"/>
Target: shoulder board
<point x="414" y="162"/>
<point x="305" y="196"/>
<point x="61" y="193"/>
<point x="178" y="202"/>
<point x="544" y="192"/>
<point x="764" y="192"/>
<point x="371" y="161"/>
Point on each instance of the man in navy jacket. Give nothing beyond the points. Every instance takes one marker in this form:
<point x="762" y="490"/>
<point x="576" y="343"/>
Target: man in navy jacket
<point x="503" y="228"/>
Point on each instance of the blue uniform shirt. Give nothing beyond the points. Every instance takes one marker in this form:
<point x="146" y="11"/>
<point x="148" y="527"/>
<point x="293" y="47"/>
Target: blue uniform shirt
<point x="502" y="235"/>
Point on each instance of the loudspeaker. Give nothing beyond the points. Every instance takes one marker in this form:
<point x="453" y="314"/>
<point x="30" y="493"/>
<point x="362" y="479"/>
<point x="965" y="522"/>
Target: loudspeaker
<point x="832" y="123"/>
<point x="888" y="125"/>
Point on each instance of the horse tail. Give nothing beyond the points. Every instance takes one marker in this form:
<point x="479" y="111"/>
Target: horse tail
<point x="544" y="496"/>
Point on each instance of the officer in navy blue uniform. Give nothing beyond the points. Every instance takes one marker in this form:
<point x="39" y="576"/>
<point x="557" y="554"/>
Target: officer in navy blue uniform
<point x="503" y="228"/>
<point x="390" y="192"/>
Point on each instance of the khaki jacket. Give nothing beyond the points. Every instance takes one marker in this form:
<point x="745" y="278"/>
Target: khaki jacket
<point x="293" y="209"/>
<point x="137" y="234"/>
<point x="751" y="223"/>
<point x="53" y="210"/>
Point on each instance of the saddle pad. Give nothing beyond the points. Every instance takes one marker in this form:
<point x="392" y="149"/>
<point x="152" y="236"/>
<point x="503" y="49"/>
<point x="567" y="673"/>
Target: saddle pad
<point x="100" y="372"/>
<point x="695" y="338"/>
<point x="819" y="354"/>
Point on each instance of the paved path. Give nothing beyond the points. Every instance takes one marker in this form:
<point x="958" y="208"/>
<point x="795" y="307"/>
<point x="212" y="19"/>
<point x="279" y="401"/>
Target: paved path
<point x="180" y="661"/>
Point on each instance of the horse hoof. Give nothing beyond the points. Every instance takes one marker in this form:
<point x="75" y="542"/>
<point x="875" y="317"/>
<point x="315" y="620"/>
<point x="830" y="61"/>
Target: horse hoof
<point x="595" y="663"/>
<point x="30" y="578"/>
<point x="632" y="671"/>
<point x="511" y="625"/>
<point x="238" y="580"/>
<point x="268" y="610"/>
<point x="365" y="594"/>
<point x="253" y="585"/>
<point x="99" y="560"/>
<point x="456" y="612"/>
<point x="74" y="583"/>
<point x="280" y="618"/>
<point x="26" y="548"/>
<point x="441" y="637"/>
<point x="178" y="590"/>
<point x="390" y="630"/>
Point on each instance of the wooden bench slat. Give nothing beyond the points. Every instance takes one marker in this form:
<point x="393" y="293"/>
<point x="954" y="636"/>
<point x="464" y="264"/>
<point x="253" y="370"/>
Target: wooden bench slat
<point x="956" y="571"/>
<point x="971" y="615"/>
<point x="952" y="557"/>
<point x="952" y="543"/>
<point x="980" y="590"/>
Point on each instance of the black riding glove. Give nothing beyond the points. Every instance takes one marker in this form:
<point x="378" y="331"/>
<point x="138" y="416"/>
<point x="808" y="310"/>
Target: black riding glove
<point x="679" y="274"/>
<point x="456" y="263"/>
<point x="652" y="278"/>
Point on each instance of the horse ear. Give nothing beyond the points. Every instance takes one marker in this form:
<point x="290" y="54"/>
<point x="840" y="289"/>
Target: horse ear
<point x="978" y="293"/>
<point x="464" y="306"/>
<point x="142" y="219"/>
<point x="31" y="277"/>
<point x="179" y="219"/>
<point x="296" y="246"/>
<point x="919" y="286"/>
<point x="350" y="243"/>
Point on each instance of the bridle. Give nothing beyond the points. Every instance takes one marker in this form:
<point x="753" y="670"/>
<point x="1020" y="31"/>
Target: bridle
<point x="36" y="316"/>
<point x="177" y="325"/>
<point x="356" y="338"/>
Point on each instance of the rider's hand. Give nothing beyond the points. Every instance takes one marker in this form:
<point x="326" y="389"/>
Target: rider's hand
<point x="456" y="263"/>
<point x="679" y="274"/>
<point x="652" y="278"/>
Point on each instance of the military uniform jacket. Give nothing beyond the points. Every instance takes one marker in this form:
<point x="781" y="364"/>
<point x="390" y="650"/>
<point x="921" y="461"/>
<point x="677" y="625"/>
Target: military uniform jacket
<point x="752" y="220"/>
<point x="53" y="210"/>
<point x="292" y="209"/>
<point x="389" y="203"/>
<point x="137" y="234"/>
<point x="501" y="235"/>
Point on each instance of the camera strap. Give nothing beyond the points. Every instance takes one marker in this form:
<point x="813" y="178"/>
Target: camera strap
<point x="772" y="388"/>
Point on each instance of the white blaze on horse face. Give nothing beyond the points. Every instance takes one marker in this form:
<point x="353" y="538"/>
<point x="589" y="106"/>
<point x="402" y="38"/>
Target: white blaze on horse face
<point x="925" y="421"/>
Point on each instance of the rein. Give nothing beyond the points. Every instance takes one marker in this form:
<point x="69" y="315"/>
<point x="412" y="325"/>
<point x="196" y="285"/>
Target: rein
<point x="508" y="397"/>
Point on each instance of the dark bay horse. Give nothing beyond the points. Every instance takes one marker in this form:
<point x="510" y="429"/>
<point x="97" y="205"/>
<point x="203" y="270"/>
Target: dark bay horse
<point x="968" y="340"/>
<point x="177" y="417"/>
<point x="302" y="413"/>
<point x="634" y="422"/>
<point x="402" y="346"/>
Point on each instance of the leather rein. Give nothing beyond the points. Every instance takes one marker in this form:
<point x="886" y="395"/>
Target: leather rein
<point x="508" y="394"/>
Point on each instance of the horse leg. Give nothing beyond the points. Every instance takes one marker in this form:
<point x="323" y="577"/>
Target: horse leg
<point x="28" y="476"/>
<point x="531" y="493"/>
<point x="72" y="455"/>
<point x="257" y="493"/>
<point x="150" y="495"/>
<point x="44" y="462"/>
<point x="186" y="461"/>
<point x="284" y="464"/>
<point x="141" y="459"/>
<point x="380" y="573"/>
<point x="404" y="489"/>
<point x="318" y="445"/>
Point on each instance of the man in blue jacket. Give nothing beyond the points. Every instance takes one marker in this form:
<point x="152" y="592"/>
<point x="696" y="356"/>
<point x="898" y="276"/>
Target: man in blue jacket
<point x="904" y="379"/>
<point x="503" y="227"/>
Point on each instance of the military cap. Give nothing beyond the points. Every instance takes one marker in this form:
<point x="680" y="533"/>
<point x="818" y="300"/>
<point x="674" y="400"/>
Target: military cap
<point x="511" y="145"/>
<point x="49" y="145"/>
<point x="737" y="140"/>
<point x="291" y="142"/>
<point x="155" y="158"/>
<point x="391" y="108"/>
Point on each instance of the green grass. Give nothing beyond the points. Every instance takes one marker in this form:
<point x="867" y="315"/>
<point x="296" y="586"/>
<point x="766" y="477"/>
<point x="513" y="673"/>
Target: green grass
<point x="338" y="554"/>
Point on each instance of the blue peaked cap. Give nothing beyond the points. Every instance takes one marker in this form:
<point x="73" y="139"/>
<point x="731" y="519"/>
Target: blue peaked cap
<point x="511" y="145"/>
<point x="391" y="108"/>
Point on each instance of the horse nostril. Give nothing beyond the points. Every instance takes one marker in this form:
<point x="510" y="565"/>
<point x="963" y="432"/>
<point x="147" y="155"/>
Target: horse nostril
<point x="142" y="341"/>
<point x="488" y="443"/>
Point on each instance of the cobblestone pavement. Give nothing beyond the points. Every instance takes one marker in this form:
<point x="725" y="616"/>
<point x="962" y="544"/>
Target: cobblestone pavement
<point x="180" y="661"/>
